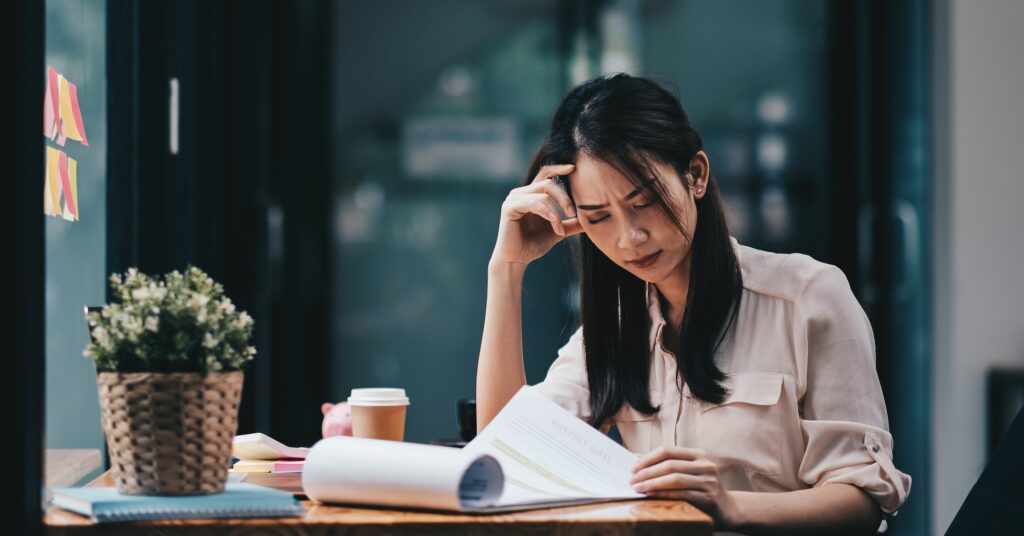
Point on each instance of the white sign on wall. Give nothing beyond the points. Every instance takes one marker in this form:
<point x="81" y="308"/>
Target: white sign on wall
<point x="485" y="149"/>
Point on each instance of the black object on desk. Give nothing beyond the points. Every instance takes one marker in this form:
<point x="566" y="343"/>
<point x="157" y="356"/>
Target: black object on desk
<point x="465" y="413"/>
<point x="465" y="421"/>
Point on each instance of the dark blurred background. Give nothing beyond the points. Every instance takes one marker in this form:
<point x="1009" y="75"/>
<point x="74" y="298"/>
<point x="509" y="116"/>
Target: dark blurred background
<point x="339" y="167"/>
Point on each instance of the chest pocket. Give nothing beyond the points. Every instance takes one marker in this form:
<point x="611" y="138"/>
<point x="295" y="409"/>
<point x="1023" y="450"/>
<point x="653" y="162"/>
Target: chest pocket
<point x="636" y="428"/>
<point x="745" y="430"/>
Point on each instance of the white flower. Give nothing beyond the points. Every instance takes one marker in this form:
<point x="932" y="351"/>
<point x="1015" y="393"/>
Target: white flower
<point x="226" y="306"/>
<point x="190" y="303"/>
<point x="212" y="363"/>
<point x="242" y="322"/>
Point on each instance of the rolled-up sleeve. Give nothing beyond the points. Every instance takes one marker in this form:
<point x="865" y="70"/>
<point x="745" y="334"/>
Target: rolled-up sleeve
<point x="566" y="381"/>
<point x="843" y="417"/>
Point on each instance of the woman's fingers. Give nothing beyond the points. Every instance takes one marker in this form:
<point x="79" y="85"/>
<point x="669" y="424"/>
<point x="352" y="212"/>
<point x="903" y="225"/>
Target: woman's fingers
<point x="697" y="498"/>
<point x="552" y="170"/>
<point x="522" y="204"/>
<point x="667" y="453"/>
<point x="551" y="187"/>
<point x="572" y="226"/>
<point x="674" y="481"/>
<point x="690" y="467"/>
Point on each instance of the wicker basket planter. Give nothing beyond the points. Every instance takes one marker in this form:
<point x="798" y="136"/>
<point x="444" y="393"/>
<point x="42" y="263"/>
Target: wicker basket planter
<point x="170" y="433"/>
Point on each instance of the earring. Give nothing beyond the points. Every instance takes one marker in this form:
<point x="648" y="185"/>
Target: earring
<point x="700" y="191"/>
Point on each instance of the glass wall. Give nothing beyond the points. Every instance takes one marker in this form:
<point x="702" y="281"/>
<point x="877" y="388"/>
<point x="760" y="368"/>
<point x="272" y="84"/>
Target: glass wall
<point x="437" y="113"/>
<point x="73" y="197"/>
<point x="751" y="75"/>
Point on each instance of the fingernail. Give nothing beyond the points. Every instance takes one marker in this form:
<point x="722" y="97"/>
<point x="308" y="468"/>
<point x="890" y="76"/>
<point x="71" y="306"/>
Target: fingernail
<point x="638" y="488"/>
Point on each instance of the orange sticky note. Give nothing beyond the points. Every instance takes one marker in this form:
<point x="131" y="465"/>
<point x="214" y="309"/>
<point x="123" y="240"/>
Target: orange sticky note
<point x="66" y="113"/>
<point x="70" y="208"/>
<point x="70" y="113"/>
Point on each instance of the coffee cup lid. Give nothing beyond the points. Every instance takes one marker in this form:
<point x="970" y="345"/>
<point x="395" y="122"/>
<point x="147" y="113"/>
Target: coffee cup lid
<point x="378" y="396"/>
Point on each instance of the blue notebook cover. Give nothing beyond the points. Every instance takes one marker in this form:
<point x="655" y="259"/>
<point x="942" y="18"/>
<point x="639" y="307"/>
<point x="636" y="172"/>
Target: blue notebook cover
<point x="237" y="500"/>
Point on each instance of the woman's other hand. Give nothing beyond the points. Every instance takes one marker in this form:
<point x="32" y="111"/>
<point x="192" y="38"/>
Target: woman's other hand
<point x="687" y="474"/>
<point x="530" y="224"/>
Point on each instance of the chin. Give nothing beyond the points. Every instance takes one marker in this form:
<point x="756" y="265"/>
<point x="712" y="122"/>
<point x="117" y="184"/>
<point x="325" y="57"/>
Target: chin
<point x="647" y="277"/>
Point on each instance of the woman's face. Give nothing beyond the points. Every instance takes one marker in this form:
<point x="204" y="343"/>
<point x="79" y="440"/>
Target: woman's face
<point x="627" y="226"/>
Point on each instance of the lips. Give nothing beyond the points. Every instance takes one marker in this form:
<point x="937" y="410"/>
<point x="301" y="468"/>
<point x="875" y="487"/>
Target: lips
<point x="644" y="262"/>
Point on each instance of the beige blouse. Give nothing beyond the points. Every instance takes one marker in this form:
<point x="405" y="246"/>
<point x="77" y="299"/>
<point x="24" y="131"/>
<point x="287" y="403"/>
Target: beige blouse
<point x="804" y="405"/>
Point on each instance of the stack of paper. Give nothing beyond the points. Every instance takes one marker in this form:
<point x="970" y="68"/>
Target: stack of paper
<point x="260" y="453"/>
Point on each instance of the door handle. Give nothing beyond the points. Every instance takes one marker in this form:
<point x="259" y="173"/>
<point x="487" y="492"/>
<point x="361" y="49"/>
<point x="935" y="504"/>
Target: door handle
<point x="905" y="214"/>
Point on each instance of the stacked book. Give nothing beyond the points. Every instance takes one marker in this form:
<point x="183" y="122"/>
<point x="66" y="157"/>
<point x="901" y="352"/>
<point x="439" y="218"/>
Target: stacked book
<point x="260" y="453"/>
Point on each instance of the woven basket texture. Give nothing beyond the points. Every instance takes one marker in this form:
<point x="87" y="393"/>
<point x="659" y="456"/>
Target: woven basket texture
<point x="170" y="433"/>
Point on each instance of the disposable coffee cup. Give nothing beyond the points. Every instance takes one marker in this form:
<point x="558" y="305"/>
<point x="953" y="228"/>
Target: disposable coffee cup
<point x="378" y="413"/>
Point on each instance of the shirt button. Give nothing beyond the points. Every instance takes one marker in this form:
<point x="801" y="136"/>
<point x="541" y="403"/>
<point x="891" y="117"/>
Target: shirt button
<point x="875" y="448"/>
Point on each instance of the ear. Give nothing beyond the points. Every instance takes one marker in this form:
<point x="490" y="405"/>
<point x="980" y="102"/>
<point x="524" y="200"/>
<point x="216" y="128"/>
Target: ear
<point x="700" y="173"/>
<point x="326" y="408"/>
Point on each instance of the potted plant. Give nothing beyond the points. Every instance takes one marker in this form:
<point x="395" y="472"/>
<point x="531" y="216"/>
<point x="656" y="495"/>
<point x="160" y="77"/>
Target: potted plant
<point x="169" y="356"/>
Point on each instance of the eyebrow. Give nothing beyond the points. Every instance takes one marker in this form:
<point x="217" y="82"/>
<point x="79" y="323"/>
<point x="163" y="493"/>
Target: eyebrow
<point x="629" y="196"/>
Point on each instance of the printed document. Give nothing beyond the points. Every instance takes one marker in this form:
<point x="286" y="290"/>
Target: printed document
<point x="533" y="454"/>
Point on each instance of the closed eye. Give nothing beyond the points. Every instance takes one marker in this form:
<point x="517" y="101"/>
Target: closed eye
<point x="605" y="217"/>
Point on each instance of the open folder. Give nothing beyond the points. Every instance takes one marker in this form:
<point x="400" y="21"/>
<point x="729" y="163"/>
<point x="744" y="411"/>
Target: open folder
<point x="534" y="454"/>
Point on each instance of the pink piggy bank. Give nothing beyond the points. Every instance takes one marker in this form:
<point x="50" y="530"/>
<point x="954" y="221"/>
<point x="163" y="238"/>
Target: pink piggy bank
<point x="337" y="419"/>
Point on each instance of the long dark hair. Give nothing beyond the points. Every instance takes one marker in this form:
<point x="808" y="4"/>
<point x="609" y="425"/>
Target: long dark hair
<point x="631" y="123"/>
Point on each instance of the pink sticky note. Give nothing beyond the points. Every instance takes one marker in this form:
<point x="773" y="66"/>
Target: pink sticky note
<point x="288" y="466"/>
<point x="48" y="112"/>
<point x="54" y="85"/>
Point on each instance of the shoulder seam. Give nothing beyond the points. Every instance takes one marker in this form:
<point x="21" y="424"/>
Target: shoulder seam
<point x="822" y="267"/>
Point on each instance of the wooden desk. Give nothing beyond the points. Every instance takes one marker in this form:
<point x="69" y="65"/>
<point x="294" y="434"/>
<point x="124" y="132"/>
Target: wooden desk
<point x="65" y="467"/>
<point x="628" y="517"/>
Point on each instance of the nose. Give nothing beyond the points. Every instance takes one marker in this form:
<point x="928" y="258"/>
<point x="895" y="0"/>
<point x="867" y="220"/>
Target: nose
<point x="632" y="236"/>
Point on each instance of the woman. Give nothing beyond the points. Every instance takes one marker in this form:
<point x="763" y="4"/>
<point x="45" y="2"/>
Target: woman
<point x="744" y="379"/>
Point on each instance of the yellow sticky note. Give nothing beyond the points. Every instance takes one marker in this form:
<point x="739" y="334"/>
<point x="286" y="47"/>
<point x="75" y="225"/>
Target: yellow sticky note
<point x="51" y="196"/>
<point x="67" y="112"/>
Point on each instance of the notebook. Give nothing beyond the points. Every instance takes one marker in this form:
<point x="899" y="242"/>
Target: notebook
<point x="267" y="466"/>
<point x="237" y="500"/>
<point x="253" y="466"/>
